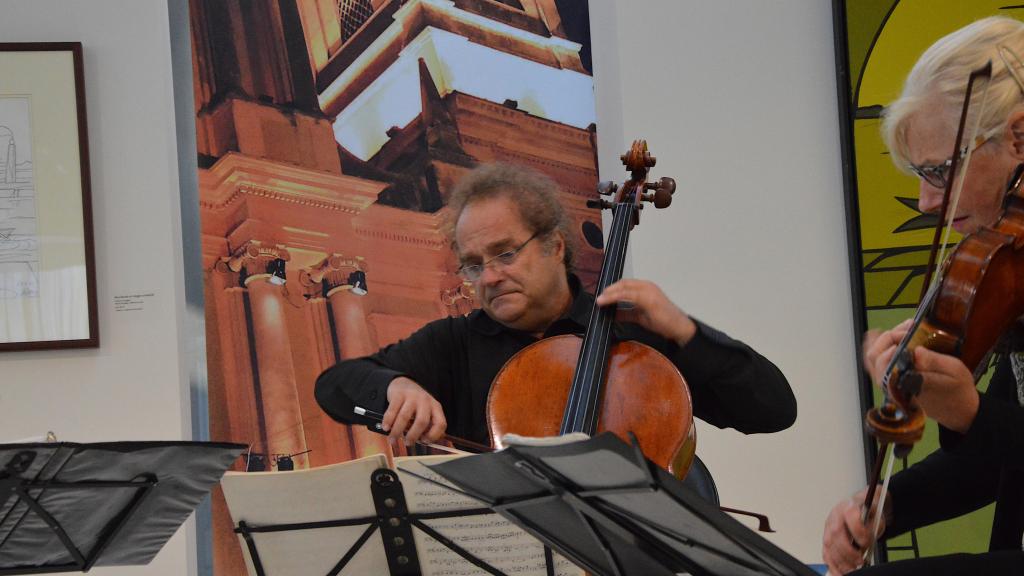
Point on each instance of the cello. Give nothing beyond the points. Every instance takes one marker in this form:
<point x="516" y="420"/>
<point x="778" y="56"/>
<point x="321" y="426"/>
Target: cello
<point x="566" y="384"/>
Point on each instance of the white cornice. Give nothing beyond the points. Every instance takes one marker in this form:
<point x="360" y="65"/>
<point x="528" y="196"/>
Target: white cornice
<point x="235" y="175"/>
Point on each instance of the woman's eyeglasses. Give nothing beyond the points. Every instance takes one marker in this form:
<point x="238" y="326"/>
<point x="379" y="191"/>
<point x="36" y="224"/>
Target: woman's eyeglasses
<point x="937" y="175"/>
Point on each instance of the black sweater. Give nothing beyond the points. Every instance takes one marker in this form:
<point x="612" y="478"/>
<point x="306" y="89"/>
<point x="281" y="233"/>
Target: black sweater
<point x="455" y="359"/>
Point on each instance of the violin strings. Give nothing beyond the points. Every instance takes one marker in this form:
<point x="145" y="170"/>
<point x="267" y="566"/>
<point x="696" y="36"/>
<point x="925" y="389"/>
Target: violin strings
<point x="919" y="316"/>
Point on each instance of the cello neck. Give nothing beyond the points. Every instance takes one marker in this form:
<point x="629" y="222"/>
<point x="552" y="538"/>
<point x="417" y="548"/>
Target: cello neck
<point x="583" y="406"/>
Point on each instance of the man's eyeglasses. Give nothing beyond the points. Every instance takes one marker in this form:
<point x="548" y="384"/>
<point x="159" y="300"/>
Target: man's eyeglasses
<point x="937" y="175"/>
<point x="472" y="272"/>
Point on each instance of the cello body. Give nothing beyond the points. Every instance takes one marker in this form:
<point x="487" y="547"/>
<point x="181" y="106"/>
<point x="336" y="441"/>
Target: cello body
<point x="644" y="394"/>
<point x="565" y="384"/>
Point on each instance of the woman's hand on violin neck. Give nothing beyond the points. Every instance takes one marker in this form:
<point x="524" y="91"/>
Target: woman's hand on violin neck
<point x="948" y="393"/>
<point x="846" y="537"/>
<point x="879" y="347"/>
<point x="412" y="414"/>
<point x="642" y="302"/>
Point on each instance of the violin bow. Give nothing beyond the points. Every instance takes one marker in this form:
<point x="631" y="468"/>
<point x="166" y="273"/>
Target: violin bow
<point x="950" y="197"/>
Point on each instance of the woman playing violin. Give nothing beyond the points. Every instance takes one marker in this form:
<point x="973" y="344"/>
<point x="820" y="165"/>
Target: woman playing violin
<point x="514" y="242"/>
<point x="981" y="458"/>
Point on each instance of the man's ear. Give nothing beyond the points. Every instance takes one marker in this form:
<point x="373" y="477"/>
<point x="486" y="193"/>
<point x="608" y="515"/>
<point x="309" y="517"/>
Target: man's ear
<point x="1016" y="126"/>
<point x="558" y="245"/>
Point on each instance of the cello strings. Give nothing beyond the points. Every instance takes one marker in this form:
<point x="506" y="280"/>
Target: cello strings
<point x="584" y="417"/>
<point x="598" y="325"/>
<point x="580" y="390"/>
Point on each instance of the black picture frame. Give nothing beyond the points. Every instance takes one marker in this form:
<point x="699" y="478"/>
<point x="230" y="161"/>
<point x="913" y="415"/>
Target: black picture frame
<point x="47" y="252"/>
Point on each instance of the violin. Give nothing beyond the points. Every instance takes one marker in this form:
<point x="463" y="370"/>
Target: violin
<point x="977" y="296"/>
<point x="566" y="384"/>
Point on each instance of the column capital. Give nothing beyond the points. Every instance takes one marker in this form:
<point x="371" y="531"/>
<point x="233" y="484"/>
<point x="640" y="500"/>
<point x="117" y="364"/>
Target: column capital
<point x="255" y="260"/>
<point x="460" y="298"/>
<point x="337" y="272"/>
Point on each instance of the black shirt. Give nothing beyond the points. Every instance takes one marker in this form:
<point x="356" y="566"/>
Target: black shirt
<point x="971" y="470"/>
<point x="455" y="359"/>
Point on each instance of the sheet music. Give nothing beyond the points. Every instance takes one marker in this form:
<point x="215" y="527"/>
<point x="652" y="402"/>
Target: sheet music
<point x="342" y="491"/>
<point x="332" y="492"/>
<point x="489" y="537"/>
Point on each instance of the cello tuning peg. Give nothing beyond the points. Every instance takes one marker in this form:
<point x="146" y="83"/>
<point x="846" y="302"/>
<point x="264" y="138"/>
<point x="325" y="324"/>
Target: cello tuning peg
<point x="600" y="204"/>
<point x="606" y="188"/>
<point x="660" y="199"/>
<point x="663" y="191"/>
<point x="665" y="183"/>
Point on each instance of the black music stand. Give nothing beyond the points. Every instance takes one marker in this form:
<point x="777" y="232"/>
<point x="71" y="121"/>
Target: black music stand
<point x="612" y="512"/>
<point x="67" y="507"/>
<point x="353" y="518"/>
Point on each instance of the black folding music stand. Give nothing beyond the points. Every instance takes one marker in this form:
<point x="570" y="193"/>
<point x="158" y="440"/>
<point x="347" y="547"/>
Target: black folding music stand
<point x="392" y="520"/>
<point x="612" y="512"/>
<point x="67" y="507"/>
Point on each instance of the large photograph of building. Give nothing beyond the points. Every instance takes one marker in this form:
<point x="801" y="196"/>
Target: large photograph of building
<point x="329" y="133"/>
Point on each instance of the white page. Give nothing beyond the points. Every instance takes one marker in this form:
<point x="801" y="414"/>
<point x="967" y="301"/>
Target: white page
<point x="489" y="537"/>
<point x="338" y="491"/>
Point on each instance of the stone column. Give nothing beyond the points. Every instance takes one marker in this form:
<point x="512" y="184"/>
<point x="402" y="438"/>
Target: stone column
<point x="320" y="326"/>
<point x="282" y="416"/>
<point x="348" y="307"/>
<point x="233" y="403"/>
<point x="328" y="440"/>
<point x="355" y="337"/>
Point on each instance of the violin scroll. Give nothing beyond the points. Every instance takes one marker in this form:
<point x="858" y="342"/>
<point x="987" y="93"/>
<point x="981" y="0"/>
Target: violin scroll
<point x="901" y="427"/>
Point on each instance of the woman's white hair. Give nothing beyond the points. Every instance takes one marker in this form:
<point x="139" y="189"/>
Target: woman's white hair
<point x="940" y="78"/>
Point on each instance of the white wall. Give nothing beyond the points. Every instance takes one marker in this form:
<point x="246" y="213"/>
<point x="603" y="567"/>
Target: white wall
<point x="133" y="387"/>
<point x="737" y="100"/>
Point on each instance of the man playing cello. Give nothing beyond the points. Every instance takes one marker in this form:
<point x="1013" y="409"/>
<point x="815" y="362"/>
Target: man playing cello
<point x="514" y="243"/>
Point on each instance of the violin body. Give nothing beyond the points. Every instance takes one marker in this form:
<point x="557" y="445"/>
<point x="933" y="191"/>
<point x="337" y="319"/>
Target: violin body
<point x="643" y="394"/>
<point x="979" y="297"/>
<point x="982" y="290"/>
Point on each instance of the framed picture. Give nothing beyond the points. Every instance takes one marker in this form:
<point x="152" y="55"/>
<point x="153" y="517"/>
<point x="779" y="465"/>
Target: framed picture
<point x="47" y="275"/>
